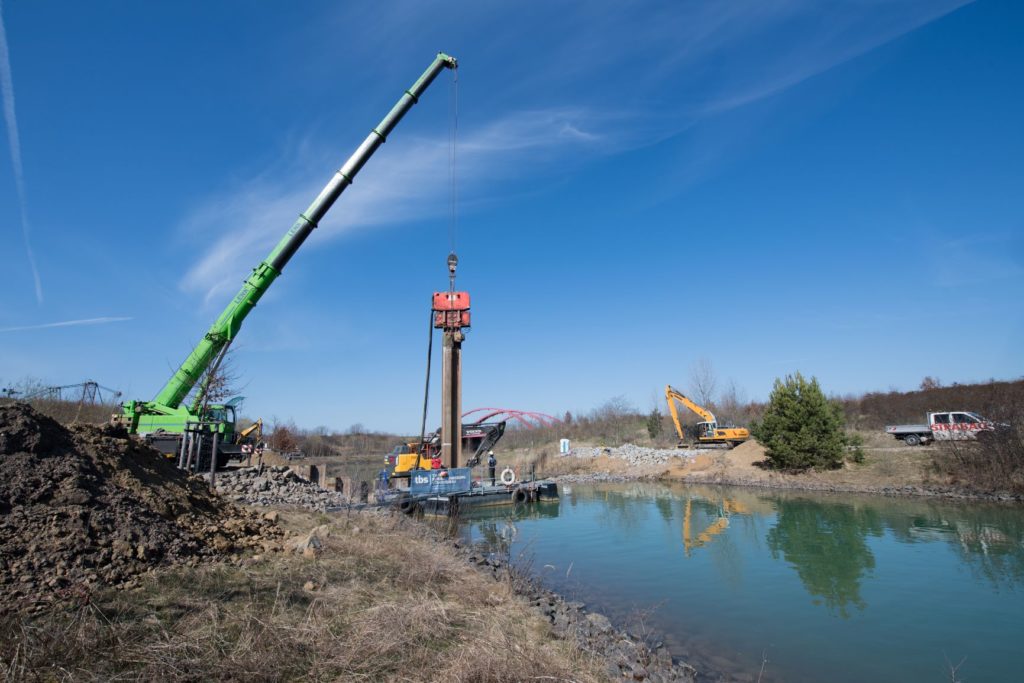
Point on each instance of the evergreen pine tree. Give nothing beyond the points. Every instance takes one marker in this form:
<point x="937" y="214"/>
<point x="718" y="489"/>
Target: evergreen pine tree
<point x="801" y="428"/>
<point x="654" y="425"/>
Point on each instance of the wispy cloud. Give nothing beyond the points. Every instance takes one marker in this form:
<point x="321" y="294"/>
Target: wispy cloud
<point x="819" y="37"/>
<point x="66" y="323"/>
<point x="14" y="141"/>
<point x="637" y="75"/>
<point x="670" y="61"/>
<point x="389" y="190"/>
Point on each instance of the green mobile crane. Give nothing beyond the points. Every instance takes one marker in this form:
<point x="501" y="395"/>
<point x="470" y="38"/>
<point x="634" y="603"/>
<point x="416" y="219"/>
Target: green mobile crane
<point x="163" y="420"/>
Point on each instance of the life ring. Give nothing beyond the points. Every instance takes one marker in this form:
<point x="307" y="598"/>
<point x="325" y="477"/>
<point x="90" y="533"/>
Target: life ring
<point x="519" y="496"/>
<point x="508" y="477"/>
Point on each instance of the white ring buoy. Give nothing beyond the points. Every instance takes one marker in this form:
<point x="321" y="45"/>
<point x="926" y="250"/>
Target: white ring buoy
<point x="508" y="477"/>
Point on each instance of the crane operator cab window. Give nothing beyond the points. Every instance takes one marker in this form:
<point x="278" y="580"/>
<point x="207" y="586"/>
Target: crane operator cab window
<point x="224" y="414"/>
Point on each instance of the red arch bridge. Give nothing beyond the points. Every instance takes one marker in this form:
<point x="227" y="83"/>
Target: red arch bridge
<point x="528" y="418"/>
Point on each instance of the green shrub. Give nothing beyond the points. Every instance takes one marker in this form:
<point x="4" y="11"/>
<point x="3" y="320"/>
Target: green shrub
<point x="654" y="425"/>
<point x="802" y="429"/>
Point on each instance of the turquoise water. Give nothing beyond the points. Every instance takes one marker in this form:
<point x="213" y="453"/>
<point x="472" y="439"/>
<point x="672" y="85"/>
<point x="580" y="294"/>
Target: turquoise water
<point x="825" y="588"/>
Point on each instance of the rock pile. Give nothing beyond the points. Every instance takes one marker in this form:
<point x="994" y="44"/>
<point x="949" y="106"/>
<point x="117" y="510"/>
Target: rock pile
<point x="276" y="486"/>
<point x="90" y="506"/>
<point x="635" y="455"/>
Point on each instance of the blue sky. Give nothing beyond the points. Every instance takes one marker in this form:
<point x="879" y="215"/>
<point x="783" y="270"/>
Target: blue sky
<point x="833" y="188"/>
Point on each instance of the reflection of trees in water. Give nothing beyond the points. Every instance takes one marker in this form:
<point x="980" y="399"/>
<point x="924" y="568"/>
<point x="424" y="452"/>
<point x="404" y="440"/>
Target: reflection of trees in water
<point x="995" y="550"/>
<point x="726" y="557"/>
<point x="988" y="538"/>
<point x="664" y="505"/>
<point x="825" y="539"/>
<point x="826" y="544"/>
<point x="494" y="529"/>
<point x="745" y="531"/>
<point x="497" y="536"/>
<point x="622" y="511"/>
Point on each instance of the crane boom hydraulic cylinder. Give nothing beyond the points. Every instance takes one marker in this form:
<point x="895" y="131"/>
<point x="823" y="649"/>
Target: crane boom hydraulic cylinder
<point x="227" y="325"/>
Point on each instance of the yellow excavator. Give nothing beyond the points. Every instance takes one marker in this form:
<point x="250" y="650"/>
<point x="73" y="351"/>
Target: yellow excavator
<point x="477" y="439"/>
<point x="708" y="431"/>
<point x="256" y="428"/>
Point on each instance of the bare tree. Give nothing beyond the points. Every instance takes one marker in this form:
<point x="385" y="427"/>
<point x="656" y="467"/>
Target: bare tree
<point x="732" y="404"/>
<point x="284" y="436"/>
<point x="616" y="406"/>
<point x="218" y="383"/>
<point x="703" y="381"/>
<point x="616" y="419"/>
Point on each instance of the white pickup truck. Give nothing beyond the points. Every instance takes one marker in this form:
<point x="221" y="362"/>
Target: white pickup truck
<point x="952" y="426"/>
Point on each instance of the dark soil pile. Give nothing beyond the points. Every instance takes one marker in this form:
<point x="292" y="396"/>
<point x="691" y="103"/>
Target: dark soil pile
<point x="86" y="506"/>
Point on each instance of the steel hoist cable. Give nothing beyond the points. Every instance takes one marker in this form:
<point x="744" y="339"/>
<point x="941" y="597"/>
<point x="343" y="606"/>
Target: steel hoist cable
<point x="453" y="135"/>
<point x="426" y="390"/>
<point x="453" y="228"/>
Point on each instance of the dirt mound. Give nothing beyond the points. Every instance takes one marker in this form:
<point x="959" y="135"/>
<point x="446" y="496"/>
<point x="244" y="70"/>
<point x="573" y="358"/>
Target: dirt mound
<point x="87" y="506"/>
<point x="747" y="452"/>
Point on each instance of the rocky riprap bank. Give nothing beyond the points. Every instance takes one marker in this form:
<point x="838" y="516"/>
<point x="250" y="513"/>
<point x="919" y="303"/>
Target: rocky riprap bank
<point x="627" y="657"/>
<point x="276" y="485"/>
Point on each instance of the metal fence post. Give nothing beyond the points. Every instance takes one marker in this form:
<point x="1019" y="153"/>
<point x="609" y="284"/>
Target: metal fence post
<point x="213" y="462"/>
<point x="181" y="451"/>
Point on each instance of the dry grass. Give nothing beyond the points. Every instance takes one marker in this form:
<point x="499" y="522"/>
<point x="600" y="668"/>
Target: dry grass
<point x="995" y="462"/>
<point x="71" y="412"/>
<point x="383" y="601"/>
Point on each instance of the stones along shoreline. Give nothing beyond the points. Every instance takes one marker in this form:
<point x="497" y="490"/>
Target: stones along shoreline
<point x="626" y="657"/>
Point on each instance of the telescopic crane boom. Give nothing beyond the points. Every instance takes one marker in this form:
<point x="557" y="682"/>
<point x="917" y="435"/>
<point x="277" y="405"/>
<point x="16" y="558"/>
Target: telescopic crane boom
<point x="165" y="412"/>
<point x="708" y="431"/>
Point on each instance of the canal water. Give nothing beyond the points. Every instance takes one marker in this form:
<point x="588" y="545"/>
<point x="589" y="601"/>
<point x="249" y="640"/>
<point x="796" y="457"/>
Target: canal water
<point x="809" y="587"/>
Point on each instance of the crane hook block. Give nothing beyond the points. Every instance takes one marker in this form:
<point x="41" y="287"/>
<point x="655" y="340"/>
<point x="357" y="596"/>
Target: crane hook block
<point x="451" y="310"/>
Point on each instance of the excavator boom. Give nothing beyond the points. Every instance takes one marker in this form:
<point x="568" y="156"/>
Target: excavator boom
<point x="671" y="394"/>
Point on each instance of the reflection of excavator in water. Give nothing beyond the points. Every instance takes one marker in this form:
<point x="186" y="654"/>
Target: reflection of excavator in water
<point x="726" y="508"/>
<point x="708" y="431"/>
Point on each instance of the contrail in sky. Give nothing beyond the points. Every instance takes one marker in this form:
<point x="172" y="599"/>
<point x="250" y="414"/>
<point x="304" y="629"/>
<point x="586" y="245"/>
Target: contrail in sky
<point x="66" y="323"/>
<point x="7" y="86"/>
